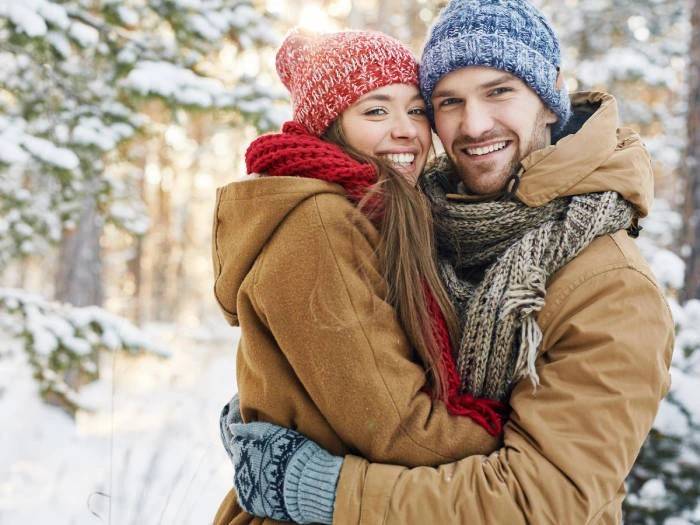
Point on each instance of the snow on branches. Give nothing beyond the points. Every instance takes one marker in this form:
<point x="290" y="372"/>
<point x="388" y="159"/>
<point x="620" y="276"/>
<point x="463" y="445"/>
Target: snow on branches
<point x="62" y="342"/>
<point x="73" y="85"/>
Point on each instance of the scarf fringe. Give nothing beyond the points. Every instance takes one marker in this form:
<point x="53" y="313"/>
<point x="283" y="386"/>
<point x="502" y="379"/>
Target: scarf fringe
<point x="524" y="301"/>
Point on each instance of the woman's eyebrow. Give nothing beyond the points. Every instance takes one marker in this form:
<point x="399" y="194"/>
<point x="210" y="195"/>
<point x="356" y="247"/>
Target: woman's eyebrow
<point x="383" y="98"/>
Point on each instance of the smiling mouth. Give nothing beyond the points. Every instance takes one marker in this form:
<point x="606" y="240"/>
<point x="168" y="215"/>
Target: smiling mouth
<point x="483" y="152"/>
<point x="401" y="161"/>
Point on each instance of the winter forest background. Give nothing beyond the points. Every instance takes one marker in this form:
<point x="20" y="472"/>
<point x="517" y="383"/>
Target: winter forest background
<point x="118" y="119"/>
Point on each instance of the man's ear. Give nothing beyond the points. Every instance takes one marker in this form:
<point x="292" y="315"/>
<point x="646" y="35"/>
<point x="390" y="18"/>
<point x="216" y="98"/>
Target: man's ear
<point x="552" y="117"/>
<point x="559" y="83"/>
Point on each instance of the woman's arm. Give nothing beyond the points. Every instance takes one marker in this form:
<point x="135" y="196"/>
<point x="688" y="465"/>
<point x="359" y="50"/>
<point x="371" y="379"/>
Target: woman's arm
<point x="318" y="291"/>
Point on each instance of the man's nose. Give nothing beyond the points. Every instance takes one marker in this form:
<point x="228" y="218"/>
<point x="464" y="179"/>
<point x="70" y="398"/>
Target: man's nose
<point x="476" y="120"/>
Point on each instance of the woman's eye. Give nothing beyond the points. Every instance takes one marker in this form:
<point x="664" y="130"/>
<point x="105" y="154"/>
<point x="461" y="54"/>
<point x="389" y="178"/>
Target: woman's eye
<point x="417" y="111"/>
<point x="375" y="112"/>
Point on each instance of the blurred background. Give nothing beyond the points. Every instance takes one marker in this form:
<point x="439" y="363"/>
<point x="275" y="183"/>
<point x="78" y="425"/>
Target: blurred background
<point x="119" y="119"/>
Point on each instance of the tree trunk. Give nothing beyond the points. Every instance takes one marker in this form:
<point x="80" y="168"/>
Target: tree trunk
<point x="691" y="210"/>
<point x="78" y="277"/>
<point x="161" y="269"/>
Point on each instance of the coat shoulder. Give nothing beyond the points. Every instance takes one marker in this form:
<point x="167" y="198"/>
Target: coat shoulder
<point x="614" y="257"/>
<point x="323" y="229"/>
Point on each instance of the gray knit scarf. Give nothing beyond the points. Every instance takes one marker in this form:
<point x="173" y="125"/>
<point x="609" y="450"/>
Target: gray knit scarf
<point x="495" y="259"/>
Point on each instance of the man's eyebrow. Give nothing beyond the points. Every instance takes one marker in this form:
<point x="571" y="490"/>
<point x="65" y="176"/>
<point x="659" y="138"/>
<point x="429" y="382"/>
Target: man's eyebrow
<point x="500" y="80"/>
<point x="443" y="93"/>
<point x="506" y="77"/>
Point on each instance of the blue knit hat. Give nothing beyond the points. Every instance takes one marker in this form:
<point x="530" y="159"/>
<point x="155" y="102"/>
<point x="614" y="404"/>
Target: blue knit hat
<point x="510" y="35"/>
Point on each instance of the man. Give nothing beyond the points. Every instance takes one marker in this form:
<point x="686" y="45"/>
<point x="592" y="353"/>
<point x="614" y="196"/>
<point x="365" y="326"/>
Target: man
<point x="535" y="205"/>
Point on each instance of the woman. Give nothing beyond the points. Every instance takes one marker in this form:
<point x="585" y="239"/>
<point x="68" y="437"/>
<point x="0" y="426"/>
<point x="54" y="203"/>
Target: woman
<point x="326" y="262"/>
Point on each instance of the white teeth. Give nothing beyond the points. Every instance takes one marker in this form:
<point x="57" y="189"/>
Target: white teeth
<point x="400" y="158"/>
<point x="487" y="149"/>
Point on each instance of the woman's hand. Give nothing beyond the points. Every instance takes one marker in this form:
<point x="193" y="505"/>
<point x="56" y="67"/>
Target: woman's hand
<point x="279" y="473"/>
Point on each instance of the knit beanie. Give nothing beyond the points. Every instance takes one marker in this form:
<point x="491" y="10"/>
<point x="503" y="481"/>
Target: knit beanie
<point x="510" y="35"/>
<point x="327" y="73"/>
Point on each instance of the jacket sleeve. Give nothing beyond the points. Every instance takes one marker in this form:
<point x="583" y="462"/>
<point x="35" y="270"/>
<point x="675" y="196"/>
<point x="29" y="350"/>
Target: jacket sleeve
<point x="318" y="290"/>
<point x="569" y="446"/>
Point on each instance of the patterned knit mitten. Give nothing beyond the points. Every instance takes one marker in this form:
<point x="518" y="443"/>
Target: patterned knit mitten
<point x="283" y="475"/>
<point x="230" y="415"/>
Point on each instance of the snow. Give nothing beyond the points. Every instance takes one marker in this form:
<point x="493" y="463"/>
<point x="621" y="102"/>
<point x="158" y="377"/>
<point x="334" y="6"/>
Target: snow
<point x="25" y="18"/>
<point x="171" y="81"/>
<point x="10" y="152"/>
<point x="167" y="464"/>
<point x="92" y="132"/>
<point x="23" y="229"/>
<point x="619" y="63"/>
<point x="203" y="26"/>
<point x="654" y="493"/>
<point x="684" y="388"/>
<point x="668" y="268"/>
<point x="60" y="43"/>
<point x="671" y="421"/>
<point x="125" y="214"/>
<point x="48" y="152"/>
<point x="53" y="13"/>
<point x="84" y="34"/>
<point x="127" y="15"/>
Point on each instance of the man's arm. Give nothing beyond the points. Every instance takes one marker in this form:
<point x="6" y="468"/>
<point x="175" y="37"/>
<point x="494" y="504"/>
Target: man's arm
<point x="569" y="446"/>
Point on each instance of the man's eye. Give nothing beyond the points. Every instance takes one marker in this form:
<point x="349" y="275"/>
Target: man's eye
<point x="375" y="112"/>
<point x="501" y="91"/>
<point x="417" y="111"/>
<point x="449" y="102"/>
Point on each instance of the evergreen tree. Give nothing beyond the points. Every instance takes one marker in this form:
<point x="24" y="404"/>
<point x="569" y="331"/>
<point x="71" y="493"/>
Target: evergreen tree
<point x="75" y="83"/>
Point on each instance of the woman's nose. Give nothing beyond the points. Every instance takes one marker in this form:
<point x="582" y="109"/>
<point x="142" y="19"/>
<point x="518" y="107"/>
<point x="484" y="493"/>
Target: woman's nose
<point x="404" y="128"/>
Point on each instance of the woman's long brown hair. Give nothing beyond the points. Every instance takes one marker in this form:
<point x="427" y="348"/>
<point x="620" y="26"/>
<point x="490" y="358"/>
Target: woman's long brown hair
<point x="408" y="259"/>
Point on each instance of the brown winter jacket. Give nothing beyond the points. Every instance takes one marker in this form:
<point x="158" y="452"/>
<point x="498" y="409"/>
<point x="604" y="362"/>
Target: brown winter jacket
<point x="321" y="351"/>
<point x="603" y="367"/>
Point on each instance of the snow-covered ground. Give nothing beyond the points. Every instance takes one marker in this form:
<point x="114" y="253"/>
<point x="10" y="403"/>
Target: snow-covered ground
<point x="163" y="454"/>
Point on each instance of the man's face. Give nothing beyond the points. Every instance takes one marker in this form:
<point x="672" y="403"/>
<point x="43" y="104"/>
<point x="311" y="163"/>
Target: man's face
<point x="488" y="121"/>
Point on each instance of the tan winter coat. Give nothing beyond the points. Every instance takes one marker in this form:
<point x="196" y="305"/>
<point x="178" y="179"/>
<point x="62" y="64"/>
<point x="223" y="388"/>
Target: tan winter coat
<point x="321" y="351"/>
<point x="603" y="367"/>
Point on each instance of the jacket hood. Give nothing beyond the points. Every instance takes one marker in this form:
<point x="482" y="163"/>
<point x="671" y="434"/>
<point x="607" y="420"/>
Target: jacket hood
<point x="247" y="214"/>
<point x="597" y="157"/>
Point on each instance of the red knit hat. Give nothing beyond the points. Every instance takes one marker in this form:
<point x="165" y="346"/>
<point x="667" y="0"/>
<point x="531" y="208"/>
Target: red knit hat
<point x="327" y="73"/>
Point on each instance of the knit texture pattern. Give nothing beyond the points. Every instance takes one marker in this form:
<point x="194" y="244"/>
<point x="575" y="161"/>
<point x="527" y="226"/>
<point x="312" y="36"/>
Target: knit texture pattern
<point x="310" y="483"/>
<point x="295" y="152"/>
<point x="326" y="73"/>
<point x="495" y="258"/>
<point x="278" y="472"/>
<point x="510" y="35"/>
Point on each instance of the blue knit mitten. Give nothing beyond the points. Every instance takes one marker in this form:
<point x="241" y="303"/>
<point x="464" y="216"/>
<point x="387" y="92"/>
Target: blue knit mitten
<point x="230" y="415"/>
<point x="281" y="474"/>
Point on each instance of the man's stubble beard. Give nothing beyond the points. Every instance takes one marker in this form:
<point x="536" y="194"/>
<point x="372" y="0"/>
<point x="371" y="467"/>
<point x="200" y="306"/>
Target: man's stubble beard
<point x="538" y="140"/>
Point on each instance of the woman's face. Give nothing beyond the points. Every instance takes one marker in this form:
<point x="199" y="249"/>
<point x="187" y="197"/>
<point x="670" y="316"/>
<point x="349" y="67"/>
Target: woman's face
<point x="390" y="123"/>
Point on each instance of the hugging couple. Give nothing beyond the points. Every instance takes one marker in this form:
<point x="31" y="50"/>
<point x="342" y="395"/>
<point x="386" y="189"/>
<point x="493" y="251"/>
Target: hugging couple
<point x="470" y="338"/>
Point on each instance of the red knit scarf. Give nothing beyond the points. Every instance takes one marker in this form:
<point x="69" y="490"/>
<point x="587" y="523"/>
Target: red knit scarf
<point x="296" y="153"/>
